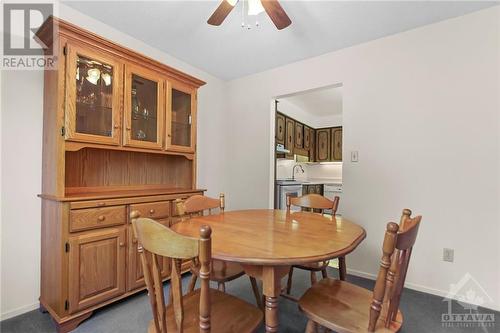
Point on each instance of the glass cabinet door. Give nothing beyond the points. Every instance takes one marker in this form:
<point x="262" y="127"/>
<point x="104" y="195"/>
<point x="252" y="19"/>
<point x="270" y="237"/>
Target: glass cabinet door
<point x="181" y="123"/>
<point x="144" y="108"/>
<point x="93" y="91"/>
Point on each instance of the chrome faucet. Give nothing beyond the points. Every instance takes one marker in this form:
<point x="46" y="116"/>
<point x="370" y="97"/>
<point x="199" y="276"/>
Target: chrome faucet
<point x="293" y="170"/>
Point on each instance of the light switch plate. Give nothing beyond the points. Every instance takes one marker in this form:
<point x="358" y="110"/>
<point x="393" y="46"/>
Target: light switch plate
<point x="354" y="156"/>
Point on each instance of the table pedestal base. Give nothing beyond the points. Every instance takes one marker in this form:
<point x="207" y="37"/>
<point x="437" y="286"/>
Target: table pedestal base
<point x="271" y="288"/>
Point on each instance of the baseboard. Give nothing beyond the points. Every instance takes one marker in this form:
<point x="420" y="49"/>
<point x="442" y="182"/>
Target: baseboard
<point x="19" y="311"/>
<point x="409" y="285"/>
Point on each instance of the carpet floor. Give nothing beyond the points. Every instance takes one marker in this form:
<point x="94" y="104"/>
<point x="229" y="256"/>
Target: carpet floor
<point x="422" y="312"/>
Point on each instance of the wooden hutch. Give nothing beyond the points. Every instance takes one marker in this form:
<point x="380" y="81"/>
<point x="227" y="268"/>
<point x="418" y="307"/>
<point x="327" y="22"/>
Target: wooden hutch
<point x="119" y="135"/>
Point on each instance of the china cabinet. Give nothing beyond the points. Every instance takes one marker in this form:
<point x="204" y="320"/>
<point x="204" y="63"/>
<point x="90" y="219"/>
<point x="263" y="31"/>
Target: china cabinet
<point x="119" y="134"/>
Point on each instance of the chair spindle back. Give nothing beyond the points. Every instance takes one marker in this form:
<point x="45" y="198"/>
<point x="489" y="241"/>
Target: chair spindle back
<point x="313" y="201"/>
<point x="156" y="241"/>
<point x="196" y="205"/>
<point x="396" y="251"/>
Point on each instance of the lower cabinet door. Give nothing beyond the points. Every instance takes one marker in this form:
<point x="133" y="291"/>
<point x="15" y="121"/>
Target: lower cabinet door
<point x="96" y="267"/>
<point x="135" y="275"/>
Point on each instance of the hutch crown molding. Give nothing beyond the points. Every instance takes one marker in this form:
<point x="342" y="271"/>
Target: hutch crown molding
<point x="119" y="135"/>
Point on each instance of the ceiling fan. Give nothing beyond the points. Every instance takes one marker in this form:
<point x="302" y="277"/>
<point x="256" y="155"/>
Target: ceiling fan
<point x="272" y="8"/>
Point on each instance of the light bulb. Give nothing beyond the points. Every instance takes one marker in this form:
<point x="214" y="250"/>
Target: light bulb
<point x="93" y="75"/>
<point x="255" y="7"/>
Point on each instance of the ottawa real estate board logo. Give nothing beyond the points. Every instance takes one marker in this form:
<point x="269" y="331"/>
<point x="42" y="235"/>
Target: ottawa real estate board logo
<point x="20" y="48"/>
<point x="468" y="313"/>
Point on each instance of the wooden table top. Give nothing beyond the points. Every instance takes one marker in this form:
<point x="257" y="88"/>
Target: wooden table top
<point x="275" y="237"/>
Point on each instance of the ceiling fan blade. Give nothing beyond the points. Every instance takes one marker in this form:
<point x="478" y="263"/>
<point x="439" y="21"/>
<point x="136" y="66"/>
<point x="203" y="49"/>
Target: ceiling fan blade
<point x="276" y="13"/>
<point x="220" y="13"/>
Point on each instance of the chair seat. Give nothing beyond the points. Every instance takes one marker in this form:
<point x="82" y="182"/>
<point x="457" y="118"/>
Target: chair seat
<point x="228" y="314"/>
<point x="222" y="271"/>
<point x="314" y="266"/>
<point x="343" y="307"/>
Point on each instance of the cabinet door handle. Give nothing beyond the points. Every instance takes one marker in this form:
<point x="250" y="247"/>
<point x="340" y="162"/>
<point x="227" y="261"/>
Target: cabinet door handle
<point x="101" y="218"/>
<point x="128" y="128"/>
<point x="122" y="244"/>
<point x="151" y="211"/>
<point x="116" y="126"/>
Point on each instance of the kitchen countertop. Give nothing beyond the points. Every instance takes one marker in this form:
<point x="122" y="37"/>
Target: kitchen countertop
<point x="311" y="181"/>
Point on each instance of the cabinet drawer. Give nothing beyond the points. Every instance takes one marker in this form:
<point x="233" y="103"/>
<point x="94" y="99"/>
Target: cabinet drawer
<point x="153" y="210"/>
<point x="83" y="219"/>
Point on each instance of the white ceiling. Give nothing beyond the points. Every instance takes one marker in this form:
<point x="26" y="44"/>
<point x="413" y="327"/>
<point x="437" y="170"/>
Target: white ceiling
<point x="229" y="51"/>
<point x="320" y="103"/>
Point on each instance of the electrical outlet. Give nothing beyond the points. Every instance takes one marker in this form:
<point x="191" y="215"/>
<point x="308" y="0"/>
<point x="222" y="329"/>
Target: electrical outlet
<point x="354" y="156"/>
<point x="448" y="255"/>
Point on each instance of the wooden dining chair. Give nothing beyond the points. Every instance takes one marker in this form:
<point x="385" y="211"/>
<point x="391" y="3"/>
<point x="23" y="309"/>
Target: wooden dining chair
<point x="204" y="310"/>
<point x="344" y="307"/>
<point x="222" y="271"/>
<point x="312" y="202"/>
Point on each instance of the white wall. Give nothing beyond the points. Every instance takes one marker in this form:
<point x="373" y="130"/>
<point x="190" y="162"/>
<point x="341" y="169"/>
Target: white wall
<point x="21" y="134"/>
<point x="422" y="109"/>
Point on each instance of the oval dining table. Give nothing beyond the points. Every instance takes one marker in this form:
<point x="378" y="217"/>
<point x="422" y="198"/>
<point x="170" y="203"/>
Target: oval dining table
<point x="267" y="242"/>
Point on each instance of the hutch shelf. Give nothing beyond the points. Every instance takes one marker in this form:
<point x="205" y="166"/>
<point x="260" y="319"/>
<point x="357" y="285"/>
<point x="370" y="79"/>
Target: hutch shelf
<point x="119" y="135"/>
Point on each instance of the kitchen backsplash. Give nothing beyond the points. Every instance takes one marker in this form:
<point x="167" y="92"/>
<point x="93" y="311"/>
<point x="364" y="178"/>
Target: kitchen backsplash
<point x="311" y="171"/>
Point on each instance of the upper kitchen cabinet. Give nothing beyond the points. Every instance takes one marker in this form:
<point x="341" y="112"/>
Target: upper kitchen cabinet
<point x="290" y="136"/>
<point x="280" y="128"/>
<point x="181" y="118"/>
<point x="144" y="108"/>
<point x="336" y="153"/>
<point x="92" y="96"/>
<point x="299" y="135"/>
<point x="323" y="145"/>
<point x="307" y="137"/>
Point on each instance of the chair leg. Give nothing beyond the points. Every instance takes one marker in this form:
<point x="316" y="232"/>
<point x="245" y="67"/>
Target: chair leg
<point x="342" y="268"/>
<point x="313" y="277"/>
<point x="324" y="273"/>
<point x="311" y="327"/>
<point x="222" y="286"/>
<point x="289" y="282"/>
<point x="256" y="293"/>
<point x="192" y="282"/>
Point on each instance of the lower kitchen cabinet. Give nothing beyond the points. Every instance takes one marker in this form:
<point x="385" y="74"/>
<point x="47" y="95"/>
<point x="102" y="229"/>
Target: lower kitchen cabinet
<point x="96" y="267"/>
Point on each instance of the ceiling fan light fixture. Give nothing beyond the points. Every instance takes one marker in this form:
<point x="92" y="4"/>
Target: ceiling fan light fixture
<point x="255" y="7"/>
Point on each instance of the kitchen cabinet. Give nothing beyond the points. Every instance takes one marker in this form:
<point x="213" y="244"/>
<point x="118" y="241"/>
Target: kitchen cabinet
<point x="181" y="115"/>
<point x="336" y="153"/>
<point x="307" y="137"/>
<point x="144" y="108"/>
<point x="290" y="136"/>
<point x="92" y="96"/>
<point x="280" y="128"/>
<point x="96" y="267"/>
<point x="299" y="135"/>
<point x="323" y="145"/>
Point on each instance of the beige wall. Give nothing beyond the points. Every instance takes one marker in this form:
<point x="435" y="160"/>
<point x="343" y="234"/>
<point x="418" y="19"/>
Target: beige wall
<point x="422" y="109"/>
<point x="21" y="135"/>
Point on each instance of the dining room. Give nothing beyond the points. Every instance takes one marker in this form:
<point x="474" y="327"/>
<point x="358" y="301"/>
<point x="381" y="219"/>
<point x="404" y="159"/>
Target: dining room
<point x="250" y="166"/>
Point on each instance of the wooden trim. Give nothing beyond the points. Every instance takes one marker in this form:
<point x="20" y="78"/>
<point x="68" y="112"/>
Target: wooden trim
<point x="75" y="146"/>
<point x="127" y="114"/>
<point x="70" y="95"/>
<point x="78" y="194"/>
<point x="72" y="31"/>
